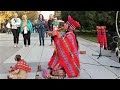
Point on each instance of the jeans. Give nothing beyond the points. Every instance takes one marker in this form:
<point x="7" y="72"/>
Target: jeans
<point x="41" y="35"/>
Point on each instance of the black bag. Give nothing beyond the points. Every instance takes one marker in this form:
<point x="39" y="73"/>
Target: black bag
<point x="41" y="26"/>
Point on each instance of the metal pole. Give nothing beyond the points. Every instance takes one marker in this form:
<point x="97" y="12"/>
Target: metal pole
<point x="117" y="24"/>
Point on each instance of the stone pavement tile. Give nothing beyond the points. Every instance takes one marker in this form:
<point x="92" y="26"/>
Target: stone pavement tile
<point x="84" y="44"/>
<point x="31" y="76"/>
<point x="38" y="54"/>
<point x="88" y="50"/>
<point x="6" y="52"/>
<point x="3" y="76"/>
<point x="114" y="70"/>
<point x="118" y="78"/>
<point x="48" y="51"/>
<point x="98" y="72"/>
<point x="106" y="61"/>
<point x="84" y="58"/>
<point x="23" y="52"/>
<point x="45" y="59"/>
<point x="114" y="57"/>
<point x="34" y="54"/>
<point x="4" y="68"/>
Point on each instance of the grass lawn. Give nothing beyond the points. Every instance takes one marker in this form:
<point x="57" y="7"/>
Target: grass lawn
<point x="91" y="36"/>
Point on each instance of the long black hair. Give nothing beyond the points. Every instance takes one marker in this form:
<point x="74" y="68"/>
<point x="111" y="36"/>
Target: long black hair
<point x="18" y="57"/>
<point x="42" y="17"/>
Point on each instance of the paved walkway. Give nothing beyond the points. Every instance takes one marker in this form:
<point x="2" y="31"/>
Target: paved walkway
<point x="91" y="67"/>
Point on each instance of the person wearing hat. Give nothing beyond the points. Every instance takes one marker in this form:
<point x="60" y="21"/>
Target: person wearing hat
<point x="20" y="70"/>
<point x="65" y="58"/>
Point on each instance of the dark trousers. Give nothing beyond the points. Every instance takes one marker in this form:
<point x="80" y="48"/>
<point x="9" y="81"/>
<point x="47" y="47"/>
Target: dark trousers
<point x="52" y="38"/>
<point x="15" y="35"/>
<point x="26" y="38"/>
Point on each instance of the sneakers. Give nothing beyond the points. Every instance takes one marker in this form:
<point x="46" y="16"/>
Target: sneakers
<point x="15" y="46"/>
<point x="26" y="46"/>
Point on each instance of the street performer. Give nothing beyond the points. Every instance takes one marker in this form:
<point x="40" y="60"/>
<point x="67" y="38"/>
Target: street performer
<point x="20" y="70"/>
<point x="65" y="59"/>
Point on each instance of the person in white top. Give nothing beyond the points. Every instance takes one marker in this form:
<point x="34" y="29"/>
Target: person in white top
<point x="8" y="27"/>
<point x="15" y="22"/>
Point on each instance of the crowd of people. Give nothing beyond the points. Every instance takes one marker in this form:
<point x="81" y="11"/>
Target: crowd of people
<point x="65" y="58"/>
<point x="25" y="27"/>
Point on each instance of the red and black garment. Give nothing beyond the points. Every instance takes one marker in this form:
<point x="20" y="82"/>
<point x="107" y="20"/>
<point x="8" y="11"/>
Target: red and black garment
<point x="21" y="64"/>
<point x="101" y="36"/>
<point x="66" y="53"/>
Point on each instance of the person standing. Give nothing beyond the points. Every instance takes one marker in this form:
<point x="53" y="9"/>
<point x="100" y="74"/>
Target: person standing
<point x="26" y="29"/>
<point x="15" y="22"/>
<point x="50" y="25"/>
<point x="55" y="24"/>
<point x="8" y="27"/>
<point x="47" y="28"/>
<point x="41" y="25"/>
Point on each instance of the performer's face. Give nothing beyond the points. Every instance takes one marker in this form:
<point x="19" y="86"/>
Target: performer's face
<point x="65" y="27"/>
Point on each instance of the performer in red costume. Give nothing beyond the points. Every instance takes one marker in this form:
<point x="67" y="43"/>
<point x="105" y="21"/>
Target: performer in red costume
<point x="101" y="35"/>
<point x="65" y="59"/>
<point x="20" y="70"/>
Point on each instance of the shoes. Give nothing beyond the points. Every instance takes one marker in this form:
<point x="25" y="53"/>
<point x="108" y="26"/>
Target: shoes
<point x="14" y="46"/>
<point x="17" y="45"/>
<point x="28" y="45"/>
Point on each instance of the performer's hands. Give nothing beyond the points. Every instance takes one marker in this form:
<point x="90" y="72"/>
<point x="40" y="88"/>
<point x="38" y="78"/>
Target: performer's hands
<point x="51" y="33"/>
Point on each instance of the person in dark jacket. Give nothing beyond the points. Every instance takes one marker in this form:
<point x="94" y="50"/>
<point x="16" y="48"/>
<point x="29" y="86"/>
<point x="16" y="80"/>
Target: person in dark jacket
<point x="41" y="26"/>
<point x="50" y="25"/>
